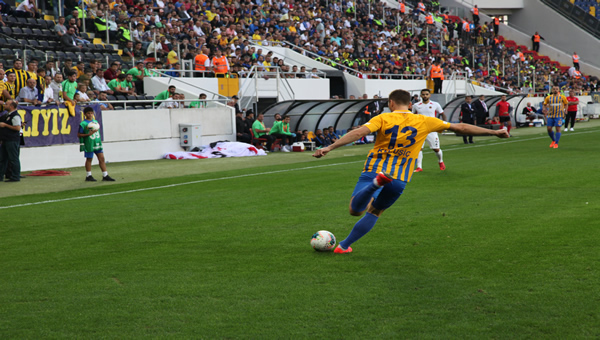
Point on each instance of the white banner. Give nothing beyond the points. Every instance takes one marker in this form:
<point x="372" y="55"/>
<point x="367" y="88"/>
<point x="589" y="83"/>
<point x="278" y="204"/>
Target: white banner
<point x="219" y="150"/>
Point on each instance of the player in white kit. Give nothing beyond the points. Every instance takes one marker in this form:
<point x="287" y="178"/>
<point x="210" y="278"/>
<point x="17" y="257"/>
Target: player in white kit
<point x="430" y="108"/>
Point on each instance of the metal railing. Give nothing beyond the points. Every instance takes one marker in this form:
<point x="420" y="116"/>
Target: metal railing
<point x="163" y="74"/>
<point x="250" y="95"/>
<point x="142" y="102"/>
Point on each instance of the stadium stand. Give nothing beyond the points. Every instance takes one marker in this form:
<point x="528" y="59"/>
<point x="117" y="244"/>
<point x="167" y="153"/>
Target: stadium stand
<point x="366" y="39"/>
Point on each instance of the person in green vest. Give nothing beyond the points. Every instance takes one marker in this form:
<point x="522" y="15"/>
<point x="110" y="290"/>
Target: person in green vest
<point x="101" y="25"/>
<point x="138" y="73"/>
<point x="90" y="143"/>
<point x="69" y="87"/>
<point x="123" y="35"/>
<point x="128" y="84"/>
<point x="165" y="95"/>
<point x="200" y="103"/>
<point x="116" y="85"/>
<point x="282" y="130"/>
<point x="260" y="131"/>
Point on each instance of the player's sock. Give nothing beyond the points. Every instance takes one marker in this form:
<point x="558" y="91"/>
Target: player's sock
<point x="88" y="173"/>
<point x="440" y="156"/>
<point x="557" y="137"/>
<point x="363" y="226"/>
<point x="508" y="128"/>
<point x="420" y="160"/>
<point x="363" y="197"/>
<point x="104" y="173"/>
<point x="551" y="134"/>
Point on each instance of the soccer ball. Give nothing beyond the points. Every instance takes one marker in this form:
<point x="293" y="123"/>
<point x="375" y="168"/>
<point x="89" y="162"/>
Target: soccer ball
<point x="323" y="240"/>
<point x="93" y="126"/>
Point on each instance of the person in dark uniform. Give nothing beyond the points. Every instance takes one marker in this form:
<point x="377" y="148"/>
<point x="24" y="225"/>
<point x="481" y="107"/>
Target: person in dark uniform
<point x="467" y="116"/>
<point x="481" y="110"/>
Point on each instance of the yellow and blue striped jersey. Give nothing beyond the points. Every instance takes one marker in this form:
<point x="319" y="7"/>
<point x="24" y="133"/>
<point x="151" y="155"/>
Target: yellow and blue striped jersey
<point x="400" y="137"/>
<point x="557" y="105"/>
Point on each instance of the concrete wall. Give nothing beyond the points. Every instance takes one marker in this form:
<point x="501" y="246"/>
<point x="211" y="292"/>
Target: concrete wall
<point x="156" y="132"/>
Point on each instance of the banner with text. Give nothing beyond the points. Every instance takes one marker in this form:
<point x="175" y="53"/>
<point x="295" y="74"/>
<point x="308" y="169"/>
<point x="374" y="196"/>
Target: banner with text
<point x="52" y="124"/>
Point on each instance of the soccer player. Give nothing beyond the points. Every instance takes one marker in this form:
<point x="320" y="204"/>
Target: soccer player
<point x="90" y="144"/>
<point x="554" y="110"/>
<point x="389" y="165"/>
<point x="503" y="111"/>
<point x="429" y="108"/>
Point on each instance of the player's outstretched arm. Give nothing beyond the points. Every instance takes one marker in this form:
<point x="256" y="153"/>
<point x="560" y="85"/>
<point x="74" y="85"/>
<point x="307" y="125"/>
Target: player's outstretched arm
<point x="350" y="137"/>
<point x="468" y="129"/>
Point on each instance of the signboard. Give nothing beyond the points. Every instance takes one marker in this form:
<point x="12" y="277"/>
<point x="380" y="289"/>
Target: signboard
<point x="52" y="124"/>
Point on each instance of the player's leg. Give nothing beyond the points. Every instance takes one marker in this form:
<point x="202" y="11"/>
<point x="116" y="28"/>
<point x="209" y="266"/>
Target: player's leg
<point x="364" y="191"/>
<point x="89" y="156"/>
<point x="549" y="126"/>
<point x="557" y="135"/>
<point x="382" y="201"/>
<point x="433" y="139"/>
<point x="102" y="163"/>
<point x="567" y="119"/>
<point x="419" y="167"/>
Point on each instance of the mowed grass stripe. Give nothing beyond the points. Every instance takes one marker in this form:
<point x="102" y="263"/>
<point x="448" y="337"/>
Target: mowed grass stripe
<point x="494" y="143"/>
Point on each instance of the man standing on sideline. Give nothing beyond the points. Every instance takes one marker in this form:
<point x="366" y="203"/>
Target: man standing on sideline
<point x="554" y="110"/>
<point x="10" y="136"/>
<point x="536" y="41"/>
<point x="503" y="112"/>
<point x="467" y="116"/>
<point x="430" y="108"/>
<point x="436" y="73"/>
<point x="571" y="110"/>
<point x="481" y="110"/>
<point x="575" y="61"/>
<point x="389" y="164"/>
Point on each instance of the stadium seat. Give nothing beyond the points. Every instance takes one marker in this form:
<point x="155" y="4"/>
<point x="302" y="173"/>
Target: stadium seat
<point x="257" y="142"/>
<point x="23" y="22"/>
<point x="31" y="22"/>
<point x="7" y="31"/>
<point x="10" y="21"/>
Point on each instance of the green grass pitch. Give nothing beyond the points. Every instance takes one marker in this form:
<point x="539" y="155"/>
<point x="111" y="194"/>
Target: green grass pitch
<point x="504" y="244"/>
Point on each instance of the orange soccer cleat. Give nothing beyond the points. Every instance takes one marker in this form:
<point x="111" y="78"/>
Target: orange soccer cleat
<point x="418" y="170"/>
<point x="552" y="144"/>
<point x="555" y="146"/>
<point x="442" y="166"/>
<point x="340" y="250"/>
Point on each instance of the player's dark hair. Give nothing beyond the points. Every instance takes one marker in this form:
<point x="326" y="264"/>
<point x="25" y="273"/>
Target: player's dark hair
<point x="88" y="109"/>
<point x="400" y="97"/>
<point x="426" y="90"/>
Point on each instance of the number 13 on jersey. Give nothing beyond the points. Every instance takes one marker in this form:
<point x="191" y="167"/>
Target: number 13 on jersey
<point x="408" y="142"/>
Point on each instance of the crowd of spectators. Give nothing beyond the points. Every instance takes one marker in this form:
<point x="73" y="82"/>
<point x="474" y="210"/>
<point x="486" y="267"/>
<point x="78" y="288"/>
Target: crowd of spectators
<point x="363" y="37"/>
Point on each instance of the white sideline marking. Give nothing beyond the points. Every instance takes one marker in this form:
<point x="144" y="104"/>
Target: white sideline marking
<point x="249" y="175"/>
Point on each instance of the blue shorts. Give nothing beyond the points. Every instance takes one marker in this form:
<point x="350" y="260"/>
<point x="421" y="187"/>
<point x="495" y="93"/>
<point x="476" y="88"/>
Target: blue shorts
<point x="91" y="154"/>
<point x="384" y="197"/>
<point x="554" y="122"/>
